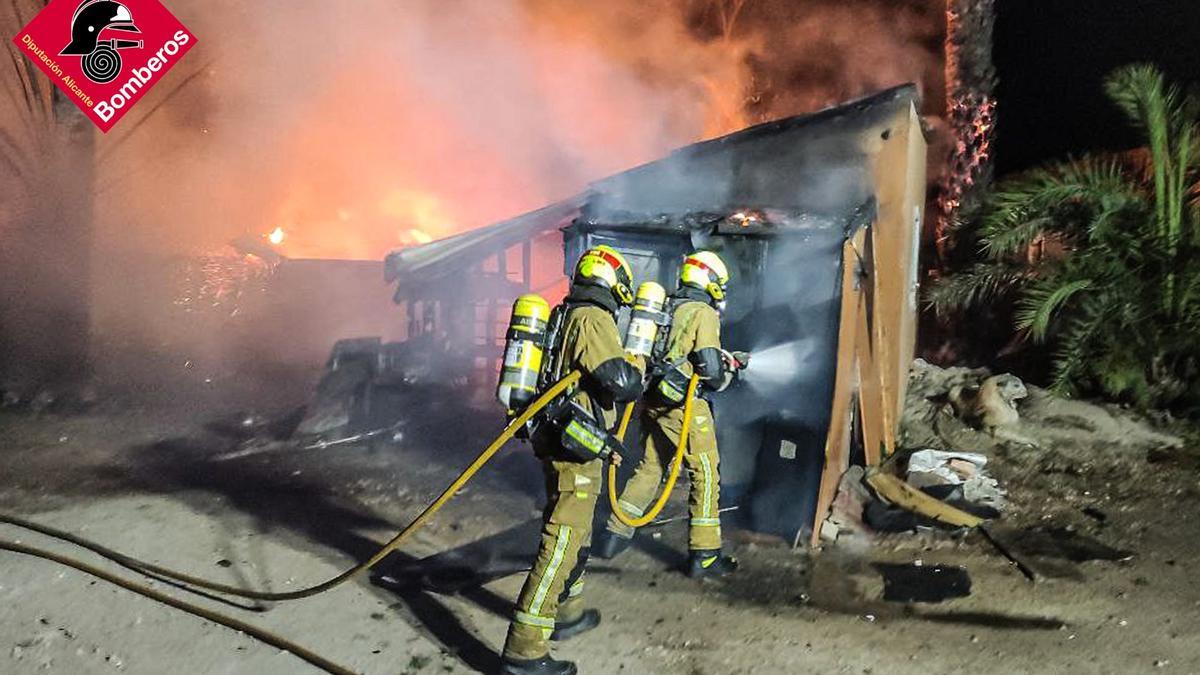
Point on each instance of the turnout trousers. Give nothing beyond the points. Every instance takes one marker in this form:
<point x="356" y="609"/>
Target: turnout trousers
<point x="552" y="590"/>
<point x="660" y="429"/>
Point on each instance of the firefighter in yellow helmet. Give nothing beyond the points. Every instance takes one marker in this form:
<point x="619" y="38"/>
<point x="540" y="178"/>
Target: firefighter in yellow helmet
<point x="549" y="605"/>
<point x="693" y="346"/>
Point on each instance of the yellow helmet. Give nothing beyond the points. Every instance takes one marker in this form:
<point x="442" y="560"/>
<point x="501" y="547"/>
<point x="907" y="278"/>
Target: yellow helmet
<point x="605" y="266"/>
<point x="705" y="270"/>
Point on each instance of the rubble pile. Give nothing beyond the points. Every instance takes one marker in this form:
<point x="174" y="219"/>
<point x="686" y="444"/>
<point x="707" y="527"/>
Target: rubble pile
<point x="959" y="423"/>
<point x="972" y="410"/>
<point x="956" y="476"/>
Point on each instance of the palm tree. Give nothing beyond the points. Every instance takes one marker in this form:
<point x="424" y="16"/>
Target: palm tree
<point x="970" y="116"/>
<point x="1099" y="253"/>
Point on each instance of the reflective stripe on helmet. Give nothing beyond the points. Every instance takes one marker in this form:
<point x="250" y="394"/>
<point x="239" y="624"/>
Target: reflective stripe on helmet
<point x="698" y="273"/>
<point x="617" y="264"/>
<point x="713" y="275"/>
<point x="700" y="263"/>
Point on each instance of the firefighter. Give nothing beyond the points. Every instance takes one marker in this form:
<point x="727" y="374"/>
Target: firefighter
<point x="549" y="605"/>
<point x="693" y="346"/>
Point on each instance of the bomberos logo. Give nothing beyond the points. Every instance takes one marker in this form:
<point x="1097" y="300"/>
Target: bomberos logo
<point x="114" y="51"/>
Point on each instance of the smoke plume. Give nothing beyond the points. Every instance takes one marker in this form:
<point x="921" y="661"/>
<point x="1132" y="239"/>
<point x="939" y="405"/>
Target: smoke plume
<point x="348" y="129"/>
<point x="360" y="127"/>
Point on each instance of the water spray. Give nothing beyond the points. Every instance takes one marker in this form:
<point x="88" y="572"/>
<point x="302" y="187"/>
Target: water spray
<point x="778" y="366"/>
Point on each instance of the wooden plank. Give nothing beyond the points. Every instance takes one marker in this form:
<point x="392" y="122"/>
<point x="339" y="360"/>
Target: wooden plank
<point x="899" y="169"/>
<point x="837" y="442"/>
<point x="909" y="498"/>
<point x="870" y="400"/>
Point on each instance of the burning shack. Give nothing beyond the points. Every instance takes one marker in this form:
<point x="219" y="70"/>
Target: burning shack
<point x="819" y="217"/>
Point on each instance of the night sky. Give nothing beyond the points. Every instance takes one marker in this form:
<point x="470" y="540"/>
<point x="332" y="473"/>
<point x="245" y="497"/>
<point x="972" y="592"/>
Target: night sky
<point x="1052" y="56"/>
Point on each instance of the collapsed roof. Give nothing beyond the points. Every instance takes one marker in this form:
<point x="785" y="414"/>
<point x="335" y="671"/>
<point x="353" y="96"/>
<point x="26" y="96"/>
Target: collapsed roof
<point x="811" y="164"/>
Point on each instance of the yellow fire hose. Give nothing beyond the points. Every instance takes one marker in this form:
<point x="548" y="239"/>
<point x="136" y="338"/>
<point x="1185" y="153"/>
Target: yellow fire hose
<point x="676" y="463"/>
<point x="283" y="643"/>
<point x="260" y="634"/>
<point x="374" y="560"/>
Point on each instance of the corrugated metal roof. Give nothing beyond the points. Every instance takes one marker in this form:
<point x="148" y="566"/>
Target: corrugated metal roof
<point x="446" y="256"/>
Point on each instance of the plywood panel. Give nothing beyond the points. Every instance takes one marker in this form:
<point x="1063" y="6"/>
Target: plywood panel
<point x="899" y="169"/>
<point x="837" y="441"/>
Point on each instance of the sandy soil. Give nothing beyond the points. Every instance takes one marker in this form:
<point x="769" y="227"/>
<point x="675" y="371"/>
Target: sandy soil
<point x="141" y="479"/>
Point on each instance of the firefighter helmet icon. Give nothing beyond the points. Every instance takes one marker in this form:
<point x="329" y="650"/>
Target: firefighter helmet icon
<point x="90" y="27"/>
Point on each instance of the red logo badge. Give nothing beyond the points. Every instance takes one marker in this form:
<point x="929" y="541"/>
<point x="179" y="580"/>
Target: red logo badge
<point x="105" y="55"/>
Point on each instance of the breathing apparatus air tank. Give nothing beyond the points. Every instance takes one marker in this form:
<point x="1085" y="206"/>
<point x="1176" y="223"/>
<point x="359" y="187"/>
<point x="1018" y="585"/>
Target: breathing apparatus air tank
<point x="648" y="320"/>
<point x="523" y="350"/>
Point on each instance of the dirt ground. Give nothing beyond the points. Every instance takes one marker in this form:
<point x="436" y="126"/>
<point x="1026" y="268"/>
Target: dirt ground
<point x="141" y="478"/>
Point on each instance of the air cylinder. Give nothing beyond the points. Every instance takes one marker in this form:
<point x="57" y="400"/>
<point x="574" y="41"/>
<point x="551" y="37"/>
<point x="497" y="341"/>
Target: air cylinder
<point x="523" y="350"/>
<point x="646" y="319"/>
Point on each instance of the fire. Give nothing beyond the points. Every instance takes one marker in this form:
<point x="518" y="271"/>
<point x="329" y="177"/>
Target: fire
<point x="423" y="215"/>
<point x="219" y="282"/>
<point x="276" y="236"/>
<point x="747" y="218"/>
<point x="474" y="116"/>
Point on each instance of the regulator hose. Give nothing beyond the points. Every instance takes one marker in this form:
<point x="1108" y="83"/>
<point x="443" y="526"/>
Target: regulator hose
<point x="676" y="463"/>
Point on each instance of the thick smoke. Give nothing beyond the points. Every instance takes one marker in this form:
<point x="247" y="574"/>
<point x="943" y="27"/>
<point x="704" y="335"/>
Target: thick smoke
<point x="360" y="127"/>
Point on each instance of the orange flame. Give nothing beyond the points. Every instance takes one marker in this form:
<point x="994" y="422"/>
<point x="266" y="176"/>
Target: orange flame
<point x="422" y="212"/>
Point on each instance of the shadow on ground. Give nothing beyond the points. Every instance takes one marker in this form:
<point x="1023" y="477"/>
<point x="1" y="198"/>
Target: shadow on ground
<point x="302" y="506"/>
<point x="296" y="494"/>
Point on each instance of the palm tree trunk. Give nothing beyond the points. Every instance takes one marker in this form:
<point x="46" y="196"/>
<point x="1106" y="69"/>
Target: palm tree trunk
<point x="971" y="115"/>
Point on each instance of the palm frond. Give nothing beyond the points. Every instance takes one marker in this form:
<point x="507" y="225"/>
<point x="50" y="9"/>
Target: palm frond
<point x="1141" y="91"/>
<point x="1168" y="115"/>
<point x="1076" y="345"/>
<point x="1019" y="234"/>
<point x="1029" y="206"/>
<point x="982" y="283"/>
<point x="1110" y="220"/>
<point x="1042" y="301"/>
<point x="1116" y="288"/>
<point x="1190" y="296"/>
<point x="1194" y="215"/>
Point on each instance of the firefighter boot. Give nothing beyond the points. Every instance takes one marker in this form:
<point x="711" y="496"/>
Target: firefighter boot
<point x="609" y="544"/>
<point x="565" y="630"/>
<point x="710" y="563"/>
<point x="547" y="665"/>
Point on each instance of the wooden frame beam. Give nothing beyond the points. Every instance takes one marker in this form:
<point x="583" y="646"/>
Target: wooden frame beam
<point x="837" y="442"/>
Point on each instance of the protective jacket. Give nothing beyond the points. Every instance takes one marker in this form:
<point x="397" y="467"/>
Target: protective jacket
<point x="592" y="345"/>
<point x="696" y="337"/>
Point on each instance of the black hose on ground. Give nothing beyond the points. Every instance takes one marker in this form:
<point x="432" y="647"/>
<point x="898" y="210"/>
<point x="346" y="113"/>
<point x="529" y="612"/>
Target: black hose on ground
<point x="260" y="634"/>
